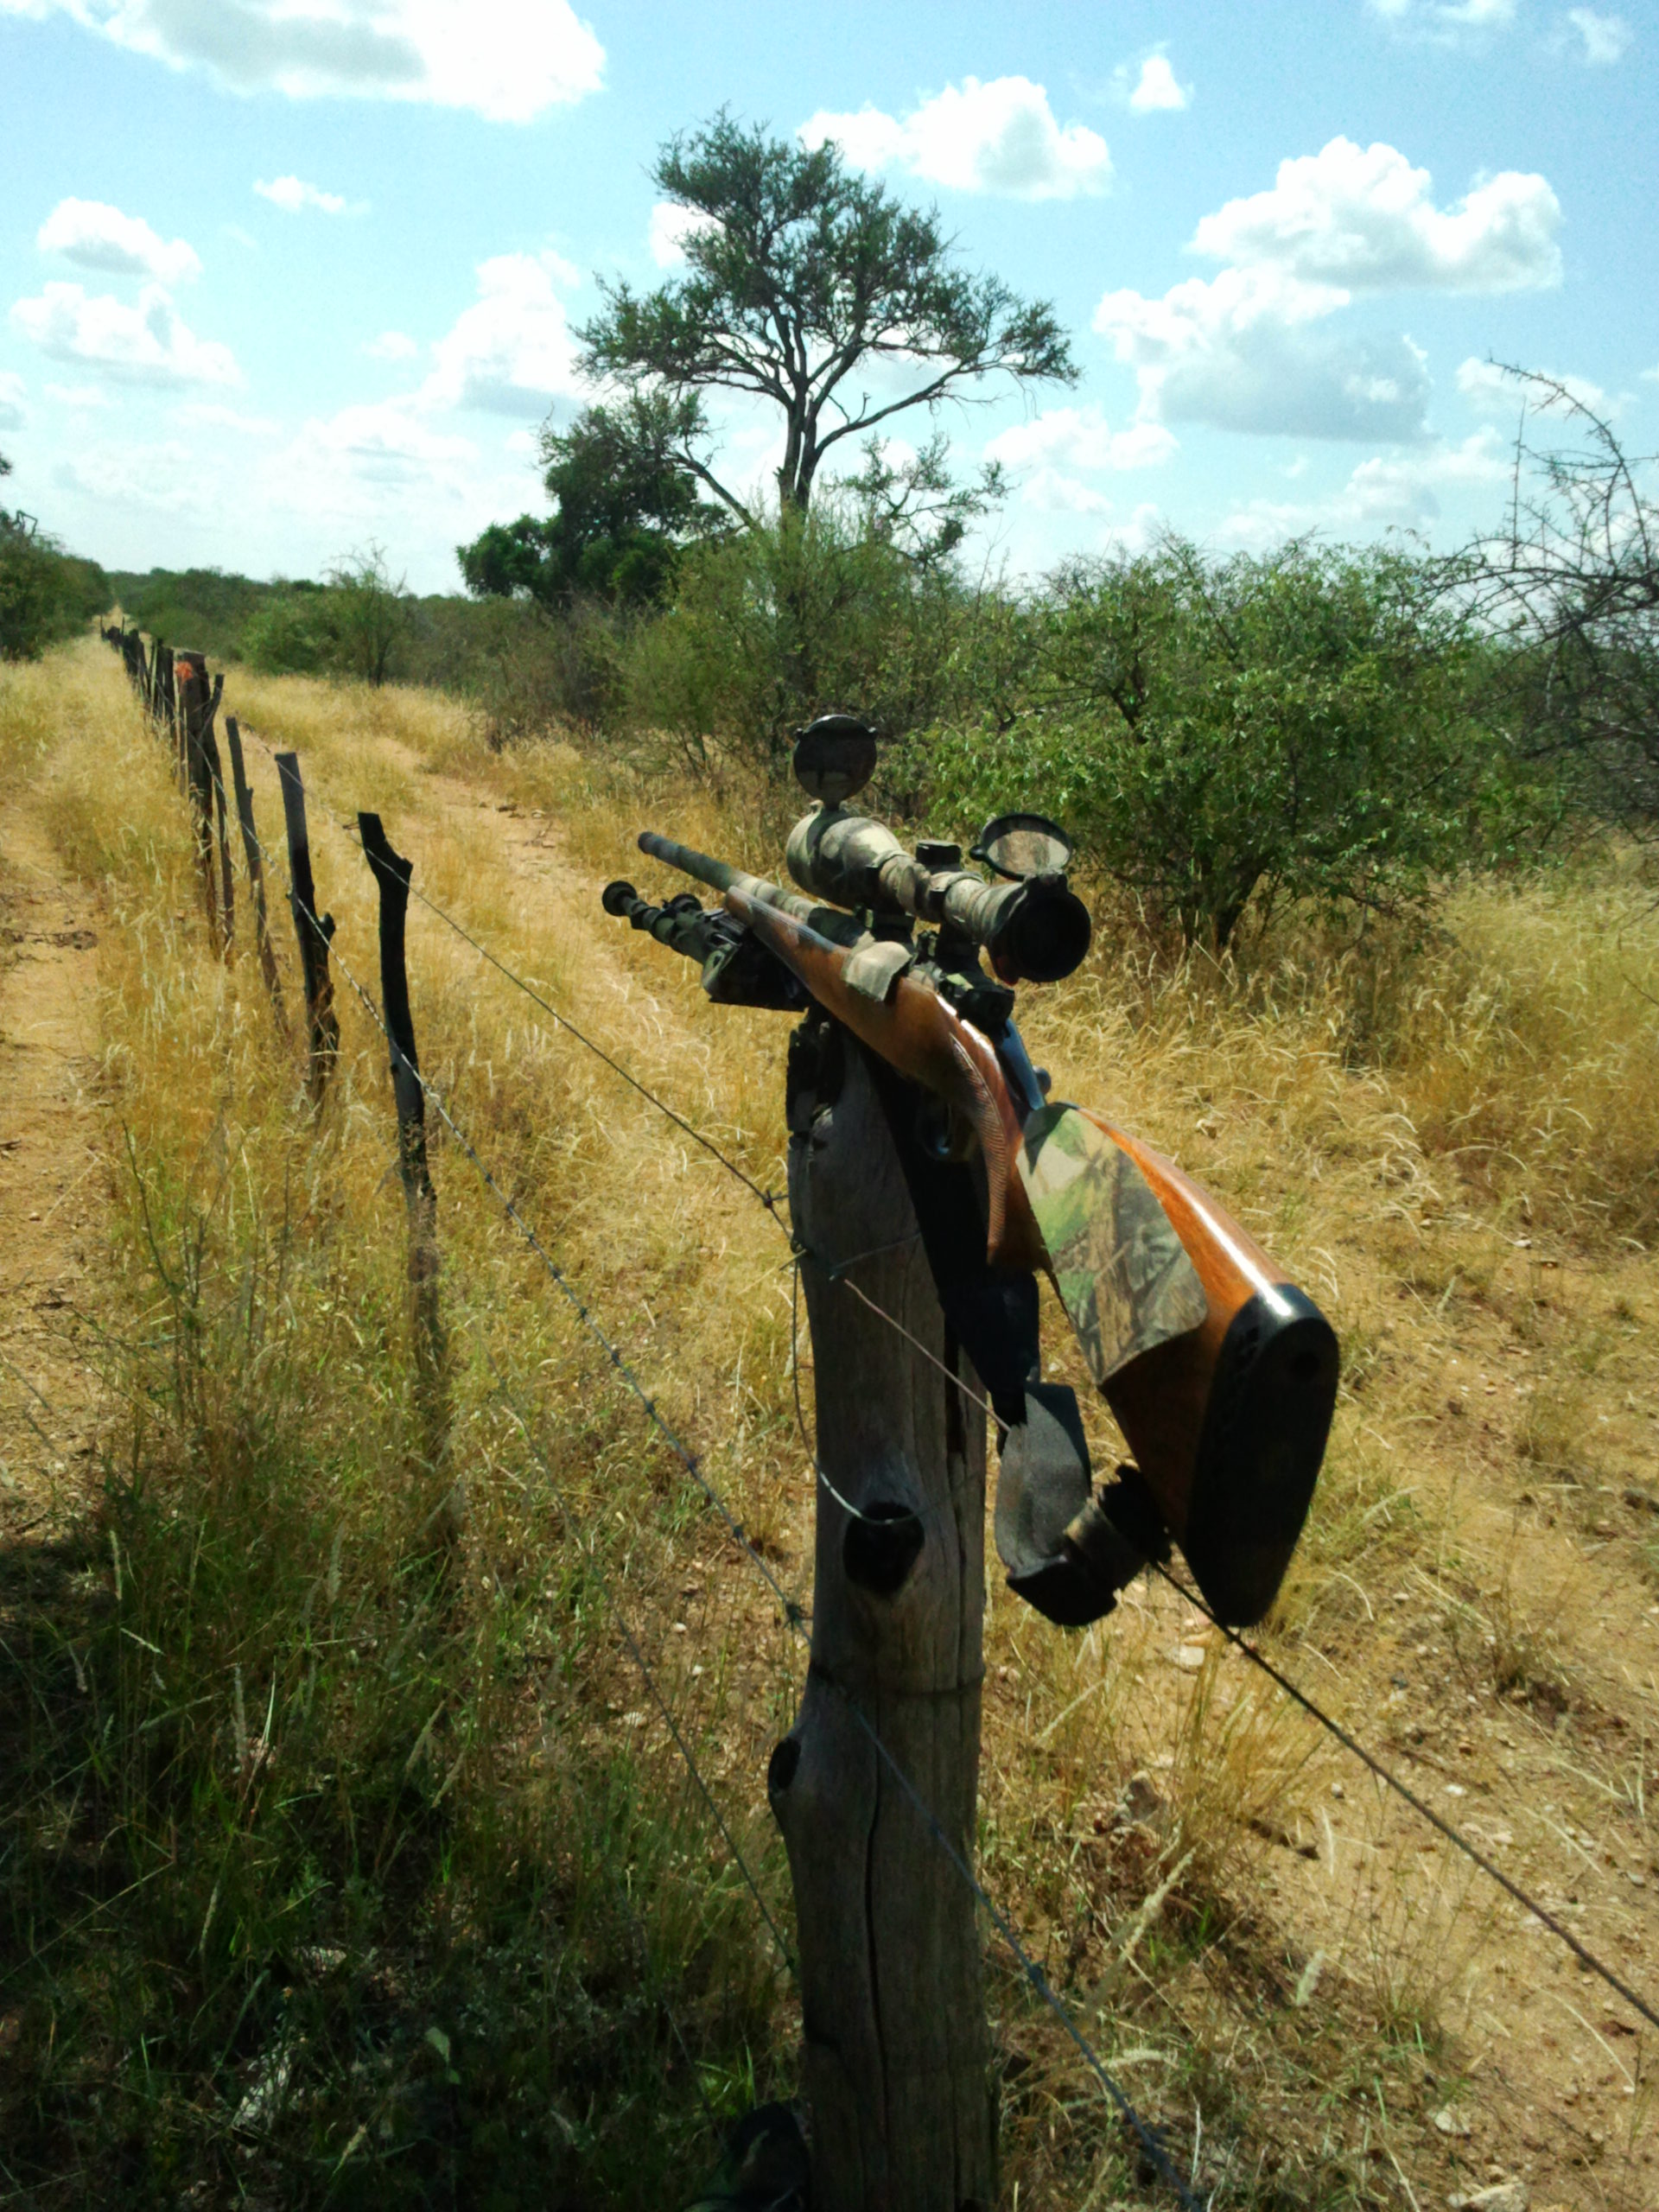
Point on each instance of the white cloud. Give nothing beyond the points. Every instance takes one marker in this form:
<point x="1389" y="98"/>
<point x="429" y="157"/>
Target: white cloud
<point x="1052" y="492"/>
<point x="1364" y="217"/>
<point x="369" y="470"/>
<point x="292" y="194"/>
<point x="98" y="236"/>
<point x="213" y="414"/>
<point x="149" y="343"/>
<point x="1491" y="390"/>
<point x="391" y="346"/>
<point x="1156" y="87"/>
<point x="511" y="351"/>
<point x="12" y="389"/>
<point x="1446" y="22"/>
<point x="507" y="60"/>
<point x="78" y="395"/>
<point x="1400" y="491"/>
<point x="120" y="473"/>
<point x="1251" y="348"/>
<point x="1605" y="39"/>
<point x="386" y="443"/>
<point x="671" y="226"/>
<point x="1235" y="351"/>
<point x="1080" y="437"/>
<point x="998" y="137"/>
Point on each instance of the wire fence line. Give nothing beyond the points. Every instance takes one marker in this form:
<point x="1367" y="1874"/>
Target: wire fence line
<point x="636" y="1652"/>
<point x="795" y="1615"/>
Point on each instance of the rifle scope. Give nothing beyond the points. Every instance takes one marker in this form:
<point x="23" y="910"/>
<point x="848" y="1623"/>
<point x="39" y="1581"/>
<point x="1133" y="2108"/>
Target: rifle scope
<point x="1036" y="930"/>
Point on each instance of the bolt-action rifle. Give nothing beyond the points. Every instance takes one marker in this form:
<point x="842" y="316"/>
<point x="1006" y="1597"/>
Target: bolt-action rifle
<point x="1222" y="1374"/>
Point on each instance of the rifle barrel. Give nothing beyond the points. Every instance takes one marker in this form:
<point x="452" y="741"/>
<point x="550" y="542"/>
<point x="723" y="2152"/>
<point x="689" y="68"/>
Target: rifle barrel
<point x="721" y="875"/>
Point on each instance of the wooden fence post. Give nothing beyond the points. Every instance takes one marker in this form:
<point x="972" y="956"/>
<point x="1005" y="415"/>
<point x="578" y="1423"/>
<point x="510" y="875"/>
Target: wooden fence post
<point x="194" y="713"/>
<point x="255" y="872"/>
<point x="221" y="810"/>
<point x="392" y="873"/>
<point x="896" y="2051"/>
<point x="313" y="930"/>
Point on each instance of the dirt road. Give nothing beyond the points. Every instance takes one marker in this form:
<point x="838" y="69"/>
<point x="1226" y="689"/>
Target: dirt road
<point x="53" y="1168"/>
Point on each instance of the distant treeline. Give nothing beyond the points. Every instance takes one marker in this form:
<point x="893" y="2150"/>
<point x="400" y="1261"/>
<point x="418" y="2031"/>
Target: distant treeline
<point x="304" y="626"/>
<point x="1222" y="734"/>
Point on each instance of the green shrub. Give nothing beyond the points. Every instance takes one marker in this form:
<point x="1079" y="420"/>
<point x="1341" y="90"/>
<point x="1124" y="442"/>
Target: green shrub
<point x="771" y="626"/>
<point x="293" y="633"/>
<point x="45" y="593"/>
<point x="203" y="608"/>
<point x="1220" y="733"/>
<point x="529" y="670"/>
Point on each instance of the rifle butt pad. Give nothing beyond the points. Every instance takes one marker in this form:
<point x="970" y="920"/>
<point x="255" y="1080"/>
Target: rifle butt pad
<point x="1228" y="1423"/>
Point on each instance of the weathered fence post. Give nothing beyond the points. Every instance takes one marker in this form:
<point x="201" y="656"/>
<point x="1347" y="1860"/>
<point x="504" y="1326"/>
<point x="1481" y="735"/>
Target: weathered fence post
<point x="313" y="930"/>
<point x="392" y="873"/>
<point x="194" y="714"/>
<point x="255" y="872"/>
<point x="221" y="809"/>
<point x="897" y="2058"/>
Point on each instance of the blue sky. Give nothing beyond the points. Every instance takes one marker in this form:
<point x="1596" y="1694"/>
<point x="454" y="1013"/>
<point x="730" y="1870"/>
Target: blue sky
<point x="278" y="278"/>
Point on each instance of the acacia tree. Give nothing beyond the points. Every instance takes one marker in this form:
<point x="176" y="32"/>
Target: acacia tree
<point x="1222" y="734"/>
<point x="370" y="613"/>
<point x="804" y="277"/>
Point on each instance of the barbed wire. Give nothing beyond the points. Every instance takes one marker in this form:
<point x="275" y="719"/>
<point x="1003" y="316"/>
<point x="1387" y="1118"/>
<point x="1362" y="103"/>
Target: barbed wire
<point x="637" y="1653"/>
<point x="1402" y="1790"/>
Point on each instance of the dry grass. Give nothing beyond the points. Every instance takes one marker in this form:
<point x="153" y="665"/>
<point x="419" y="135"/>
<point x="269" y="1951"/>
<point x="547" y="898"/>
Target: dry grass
<point x="1454" y="1143"/>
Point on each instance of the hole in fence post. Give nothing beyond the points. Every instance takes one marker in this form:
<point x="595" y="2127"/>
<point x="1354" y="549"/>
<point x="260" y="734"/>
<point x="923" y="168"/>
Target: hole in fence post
<point x="881" y="1548"/>
<point x="393" y="874"/>
<point x="313" y="931"/>
<point x="781" y="1766"/>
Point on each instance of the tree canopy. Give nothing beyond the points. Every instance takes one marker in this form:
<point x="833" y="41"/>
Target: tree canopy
<point x="622" y="506"/>
<point x="813" y="288"/>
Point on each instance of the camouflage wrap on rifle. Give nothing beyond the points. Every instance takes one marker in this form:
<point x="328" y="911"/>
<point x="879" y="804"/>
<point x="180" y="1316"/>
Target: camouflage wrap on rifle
<point x="1122" y="1273"/>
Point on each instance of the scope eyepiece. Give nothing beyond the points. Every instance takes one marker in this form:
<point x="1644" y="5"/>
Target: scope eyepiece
<point x="1041" y="934"/>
